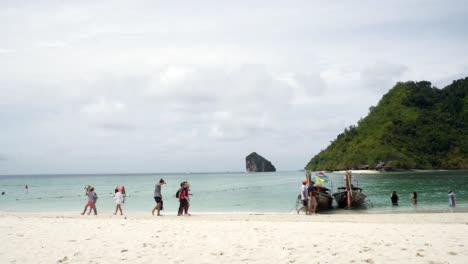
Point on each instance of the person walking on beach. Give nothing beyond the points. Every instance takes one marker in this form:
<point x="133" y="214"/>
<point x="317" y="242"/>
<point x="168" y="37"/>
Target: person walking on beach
<point x="158" y="197"/>
<point x="187" y="206"/>
<point x="304" y="197"/>
<point x="119" y="200"/>
<point x="312" y="201"/>
<point x="183" y="199"/>
<point x="394" y="198"/>
<point x="414" y="198"/>
<point x="451" y="198"/>
<point x="92" y="198"/>
<point x="178" y="194"/>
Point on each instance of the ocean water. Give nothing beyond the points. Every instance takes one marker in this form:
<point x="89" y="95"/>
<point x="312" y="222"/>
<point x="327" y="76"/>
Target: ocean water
<point x="229" y="192"/>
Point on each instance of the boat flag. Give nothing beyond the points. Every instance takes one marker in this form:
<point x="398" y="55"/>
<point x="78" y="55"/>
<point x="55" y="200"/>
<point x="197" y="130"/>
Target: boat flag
<point x="319" y="181"/>
<point x="321" y="174"/>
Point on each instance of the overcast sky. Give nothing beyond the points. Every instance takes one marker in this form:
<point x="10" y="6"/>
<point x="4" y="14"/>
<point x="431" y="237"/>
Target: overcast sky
<point x="190" y="86"/>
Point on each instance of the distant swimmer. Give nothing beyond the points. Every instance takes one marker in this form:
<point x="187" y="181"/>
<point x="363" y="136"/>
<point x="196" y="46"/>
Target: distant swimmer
<point x="414" y="198"/>
<point x="26" y="187"/>
<point x="3" y="193"/>
<point x="451" y="198"/>
<point x="394" y="198"/>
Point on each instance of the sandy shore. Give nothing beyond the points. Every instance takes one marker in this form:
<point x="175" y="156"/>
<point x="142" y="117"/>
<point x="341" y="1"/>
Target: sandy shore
<point x="380" y="238"/>
<point x="359" y="171"/>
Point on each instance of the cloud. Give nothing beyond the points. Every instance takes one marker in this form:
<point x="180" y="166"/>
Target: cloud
<point x="51" y="44"/>
<point x="103" y="107"/>
<point x="381" y="76"/>
<point x="155" y="86"/>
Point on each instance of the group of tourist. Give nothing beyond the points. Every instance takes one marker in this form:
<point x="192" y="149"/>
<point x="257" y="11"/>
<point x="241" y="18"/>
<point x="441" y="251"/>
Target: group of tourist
<point x="182" y="194"/>
<point x="308" y="200"/>
<point x="414" y="198"/>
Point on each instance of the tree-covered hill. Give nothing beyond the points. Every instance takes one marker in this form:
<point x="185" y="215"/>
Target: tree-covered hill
<point x="414" y="126"/>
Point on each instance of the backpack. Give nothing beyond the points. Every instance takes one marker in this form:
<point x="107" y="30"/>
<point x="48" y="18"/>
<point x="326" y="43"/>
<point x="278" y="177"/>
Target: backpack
<point x="95" y="197"/>
<point x="177" y="193"/>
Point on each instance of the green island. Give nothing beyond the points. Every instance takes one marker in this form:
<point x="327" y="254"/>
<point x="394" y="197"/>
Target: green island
<point x="414" y="126"/>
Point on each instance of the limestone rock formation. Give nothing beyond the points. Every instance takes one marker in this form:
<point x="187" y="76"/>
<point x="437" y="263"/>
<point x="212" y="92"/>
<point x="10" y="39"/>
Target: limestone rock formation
<point x="257" y="163"/>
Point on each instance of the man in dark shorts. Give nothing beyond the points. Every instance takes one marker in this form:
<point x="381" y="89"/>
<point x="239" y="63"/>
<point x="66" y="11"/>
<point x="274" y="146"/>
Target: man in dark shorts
<point x="158" y="197"/>
<point x="304" y="197"/>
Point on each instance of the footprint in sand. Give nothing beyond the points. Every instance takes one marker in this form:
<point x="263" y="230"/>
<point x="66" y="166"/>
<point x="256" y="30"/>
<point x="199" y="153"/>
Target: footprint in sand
<point x="63" y="260"/>
<point x="452" y="253"/>
<point x="369" y="261"/>
<point x="365" y="249"/>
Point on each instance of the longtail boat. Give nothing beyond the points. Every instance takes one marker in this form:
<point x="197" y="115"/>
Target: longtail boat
<point x="322" y="194"/>
<point x="349" y="196"/>
<point x="357" y="198"/>
<point x="323" y="197"/>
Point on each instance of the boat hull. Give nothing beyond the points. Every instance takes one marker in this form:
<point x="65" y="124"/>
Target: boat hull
<point x="357" y="199"/>
<point x="324" y="201"/>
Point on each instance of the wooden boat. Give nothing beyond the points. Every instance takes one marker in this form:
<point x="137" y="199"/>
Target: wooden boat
<point x="322" y="195"/>
<point x="349" y="196"/>
<point x="324" y="198"/>
<point x="357" y="198"/>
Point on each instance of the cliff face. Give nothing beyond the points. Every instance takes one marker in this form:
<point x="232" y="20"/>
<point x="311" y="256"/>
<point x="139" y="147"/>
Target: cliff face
<point x="257" y="163"/>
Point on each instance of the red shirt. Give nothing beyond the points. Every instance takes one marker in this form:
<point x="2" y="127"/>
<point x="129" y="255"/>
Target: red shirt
<point x="183" y="194"/>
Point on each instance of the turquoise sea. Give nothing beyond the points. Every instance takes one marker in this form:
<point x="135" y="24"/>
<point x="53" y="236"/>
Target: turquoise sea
<point x="229" y="192"/>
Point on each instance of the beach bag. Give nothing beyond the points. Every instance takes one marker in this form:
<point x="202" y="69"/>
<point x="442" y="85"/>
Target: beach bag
<point x="177" y="194"/>
<point x="95" y="197"/>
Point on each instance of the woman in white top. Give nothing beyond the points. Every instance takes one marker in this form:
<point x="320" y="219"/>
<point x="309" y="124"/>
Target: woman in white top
<point x="119" y="200"/>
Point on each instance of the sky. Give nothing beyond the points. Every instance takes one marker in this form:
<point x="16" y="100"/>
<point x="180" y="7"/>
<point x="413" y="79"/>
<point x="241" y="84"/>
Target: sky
<point x="196" y="86"/>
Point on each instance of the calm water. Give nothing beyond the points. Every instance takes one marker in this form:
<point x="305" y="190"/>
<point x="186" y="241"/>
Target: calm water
<point x="229" y="192"/>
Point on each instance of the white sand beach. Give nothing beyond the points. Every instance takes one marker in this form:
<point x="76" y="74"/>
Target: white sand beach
<point x="359" y="171"/>
<point x="354" y="238"/>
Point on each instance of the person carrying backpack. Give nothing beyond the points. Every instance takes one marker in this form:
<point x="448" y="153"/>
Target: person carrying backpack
<point x="92" y="199"/>
<point x="182" y="195"/>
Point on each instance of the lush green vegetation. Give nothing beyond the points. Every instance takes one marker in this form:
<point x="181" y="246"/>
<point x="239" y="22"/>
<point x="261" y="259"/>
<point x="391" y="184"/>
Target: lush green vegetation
<point x="414" y="126"/>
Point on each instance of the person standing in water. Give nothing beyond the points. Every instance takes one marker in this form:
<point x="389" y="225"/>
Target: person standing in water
<point x="119" y="200"/>
<point x="158" y="197"/>
<point x="414" y="198"/>
<point x="451" y="198"/>
<point x="394" y="198"/>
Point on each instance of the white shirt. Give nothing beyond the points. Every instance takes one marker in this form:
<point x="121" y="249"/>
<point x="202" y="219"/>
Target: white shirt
<point x="118" y="198"/>
<point x="304" y="190"/>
